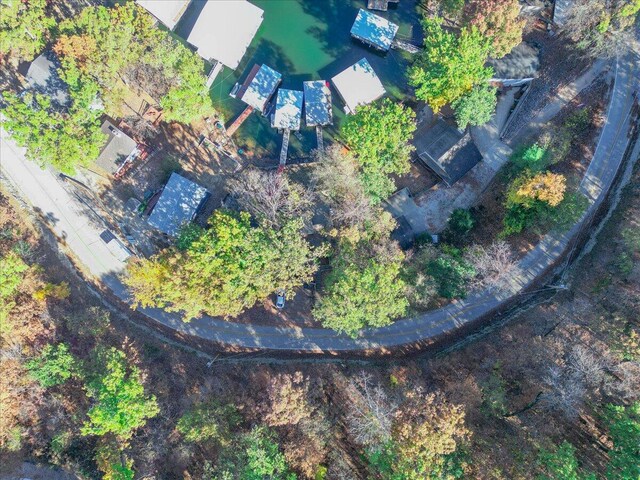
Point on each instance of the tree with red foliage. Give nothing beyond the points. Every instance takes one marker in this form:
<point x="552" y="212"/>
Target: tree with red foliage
<point x="498" y="20"/>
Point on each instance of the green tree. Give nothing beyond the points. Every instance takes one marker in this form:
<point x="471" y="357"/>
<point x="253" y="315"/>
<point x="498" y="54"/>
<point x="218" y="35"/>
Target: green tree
<point x="379" y="135"/>
<point x="54" y="366"/>
<point x="532" y="158"/>
<point x="264" y="458"/>
<point x="451" y="273"/>
<point x="209" y="421"/>
<point x="426" y="437"/>
<point x="255" y="456"/>
<point x="460" y="223"/>
<point x="12" y="269"/>
<point x="24" y="27"/>
<point x="357" y="297"/>
<point x="561" y="464"/>
<point x="120" y="405"/>
<point x="130" y="43"/>
<point x="62" y="140"/>
<point x="228" y="269"/>
<point x="624" y="431"/>
<point x="450" y="65"/>
<point x="364" y="287"/>
<point x="113" y="463"/>
<point x="540" y="198"/>
<point x="476" y="106"/>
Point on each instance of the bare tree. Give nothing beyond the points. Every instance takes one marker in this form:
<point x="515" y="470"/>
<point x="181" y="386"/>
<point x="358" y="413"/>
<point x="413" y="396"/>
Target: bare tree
<point x="271" y="197"/>
<point x="584" y="363"/>
<point x="598" y="27"/>
<point x="495" y="265"/>
<point x="336" y="177"/>
<point x="141" y="128"/>
<point x="371" y="416"/>
<point x="566" y="391"/>
<point x="625" y="381"/>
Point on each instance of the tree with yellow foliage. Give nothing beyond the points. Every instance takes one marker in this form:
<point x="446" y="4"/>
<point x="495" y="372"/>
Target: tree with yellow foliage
<point x="546" y="187"/>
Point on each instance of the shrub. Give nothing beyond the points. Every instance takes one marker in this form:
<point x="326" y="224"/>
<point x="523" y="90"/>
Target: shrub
<point x="533" y="158"/>
<point x="54" y="366"/>
<point x="209" y="422"/>
<point x="120" y="403"/>
<point x="459" y="224"/>
<point x="58" y="291"/>
<point x="451" y="275"/>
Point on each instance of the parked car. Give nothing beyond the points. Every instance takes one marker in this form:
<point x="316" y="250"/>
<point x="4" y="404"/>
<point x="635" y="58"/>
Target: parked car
<point x="280" y="299"/>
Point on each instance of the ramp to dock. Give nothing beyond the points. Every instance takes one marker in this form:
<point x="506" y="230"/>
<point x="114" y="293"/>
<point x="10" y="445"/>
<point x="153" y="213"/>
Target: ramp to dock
<point x="381" y="5"/>
<point x="285" y="147"/>
<point x="319" y="138"/>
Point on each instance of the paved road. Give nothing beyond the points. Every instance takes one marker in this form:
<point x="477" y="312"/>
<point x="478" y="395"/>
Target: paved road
<point x="73" y="223"/>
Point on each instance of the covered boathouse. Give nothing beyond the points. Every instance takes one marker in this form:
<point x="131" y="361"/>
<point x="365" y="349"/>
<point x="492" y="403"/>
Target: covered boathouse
<point x="317" y="103"/>
<point x="258" y="88"/>
<point x="373" y="30"/>
<point x="358" y="85"/>
<point x="168" y="12"/>
<point x="224" y="30"/>
<point x="288" y="113"/>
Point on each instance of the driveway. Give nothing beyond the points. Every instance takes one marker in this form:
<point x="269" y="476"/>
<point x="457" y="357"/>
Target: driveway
<point x="73" y="223"/>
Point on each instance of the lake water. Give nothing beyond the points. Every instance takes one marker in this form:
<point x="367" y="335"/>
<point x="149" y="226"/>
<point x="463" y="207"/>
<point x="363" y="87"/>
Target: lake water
<point x="309" y="40"/>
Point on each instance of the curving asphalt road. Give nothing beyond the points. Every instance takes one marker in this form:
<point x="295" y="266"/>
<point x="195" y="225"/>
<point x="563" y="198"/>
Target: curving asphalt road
<point x="80" y="231"/>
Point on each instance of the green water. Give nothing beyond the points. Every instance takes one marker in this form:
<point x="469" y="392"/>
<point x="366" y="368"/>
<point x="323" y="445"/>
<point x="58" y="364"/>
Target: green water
<point x="309" y="40"/>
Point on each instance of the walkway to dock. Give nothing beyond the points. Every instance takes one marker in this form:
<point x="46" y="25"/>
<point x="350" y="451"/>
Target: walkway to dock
<point x="285" y="147"/>
<point x="381" y="5"/>
<point x="319" y="138"/>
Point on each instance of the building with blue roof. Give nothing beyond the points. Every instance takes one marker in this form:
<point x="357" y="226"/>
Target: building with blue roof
<point x="288" y="111"/>
<point x="317" y="103"/>
<point x="179" y="202"/>
<point x="374" y="30"/>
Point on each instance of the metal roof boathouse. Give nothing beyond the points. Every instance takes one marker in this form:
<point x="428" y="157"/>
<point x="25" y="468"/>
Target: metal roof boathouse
<point x="358" y="85"/>
<point x="317" y="103"/>
<point x="288" y="111"/>
<point x="166" y="11"/>
<point x="224" y="30"/>
<point x="259" y="87"/>
<point x="180" y="201"/>
<point x="374" y="30"/>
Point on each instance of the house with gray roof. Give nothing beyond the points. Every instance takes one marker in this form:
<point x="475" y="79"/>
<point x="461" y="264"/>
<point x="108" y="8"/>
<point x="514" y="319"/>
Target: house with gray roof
<point x="179" y="202"/>
<point x="449" y="153"/>
<point x="42" y="77"/>
<point x="119" y="149"/>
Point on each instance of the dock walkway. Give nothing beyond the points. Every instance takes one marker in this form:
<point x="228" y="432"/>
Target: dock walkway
<point x="381" y="5"/>
<point x="285" y="147"/>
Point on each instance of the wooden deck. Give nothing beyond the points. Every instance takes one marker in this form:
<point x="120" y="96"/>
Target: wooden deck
<point x="381" y="5"/>
<point x="239" y="121"/>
